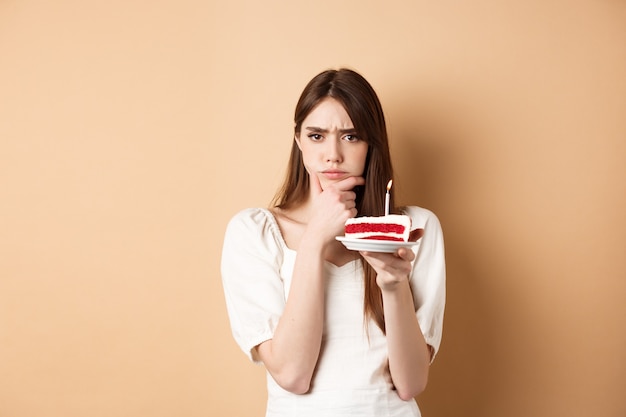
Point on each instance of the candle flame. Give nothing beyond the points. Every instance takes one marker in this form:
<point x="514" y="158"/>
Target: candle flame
<point x="389" y="185"/>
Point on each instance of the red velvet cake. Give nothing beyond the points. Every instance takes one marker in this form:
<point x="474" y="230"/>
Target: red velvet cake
<point x="394" y="227"/>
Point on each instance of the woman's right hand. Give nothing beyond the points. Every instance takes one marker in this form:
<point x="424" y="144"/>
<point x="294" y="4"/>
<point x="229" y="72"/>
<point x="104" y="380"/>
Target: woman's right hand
<point x="293" y="352"/>
<point x="331" y="207"/>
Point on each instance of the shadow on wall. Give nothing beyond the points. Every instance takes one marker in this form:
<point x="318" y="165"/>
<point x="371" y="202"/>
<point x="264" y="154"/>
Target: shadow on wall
<point x="431" y="161"/>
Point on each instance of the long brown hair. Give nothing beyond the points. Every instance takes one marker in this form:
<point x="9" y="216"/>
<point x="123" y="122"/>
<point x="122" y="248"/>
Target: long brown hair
<point x="363" y="106"/>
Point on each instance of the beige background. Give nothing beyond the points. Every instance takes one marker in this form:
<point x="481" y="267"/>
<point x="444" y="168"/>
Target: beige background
<point x="131" y="131"/>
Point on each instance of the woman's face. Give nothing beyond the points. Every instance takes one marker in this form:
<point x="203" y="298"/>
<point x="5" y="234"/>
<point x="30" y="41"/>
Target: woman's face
<point x="329" y="144"/>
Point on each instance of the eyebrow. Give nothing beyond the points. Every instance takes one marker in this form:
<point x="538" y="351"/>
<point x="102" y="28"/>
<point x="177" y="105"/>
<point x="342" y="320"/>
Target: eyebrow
<point x="319" y="129"/>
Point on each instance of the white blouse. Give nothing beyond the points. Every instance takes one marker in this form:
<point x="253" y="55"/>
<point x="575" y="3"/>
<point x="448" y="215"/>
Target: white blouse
<point x="352" y="374"/>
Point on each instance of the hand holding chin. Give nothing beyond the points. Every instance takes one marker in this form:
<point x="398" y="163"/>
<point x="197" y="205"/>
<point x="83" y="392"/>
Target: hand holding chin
<point x="333" y="205"/>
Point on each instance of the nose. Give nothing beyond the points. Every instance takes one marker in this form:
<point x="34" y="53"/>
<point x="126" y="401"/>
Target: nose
<point x="333" y="150"/>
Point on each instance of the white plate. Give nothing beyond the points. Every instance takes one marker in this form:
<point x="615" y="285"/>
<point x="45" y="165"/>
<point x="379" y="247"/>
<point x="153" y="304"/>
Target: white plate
<point x="371" y="245"/>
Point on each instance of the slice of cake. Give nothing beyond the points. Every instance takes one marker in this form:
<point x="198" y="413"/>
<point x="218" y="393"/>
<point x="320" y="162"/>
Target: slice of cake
<point x="391" y="227"/>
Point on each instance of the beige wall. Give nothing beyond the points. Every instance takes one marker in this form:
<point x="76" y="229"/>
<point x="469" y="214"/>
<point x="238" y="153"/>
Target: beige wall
<point x="131" y="131"/>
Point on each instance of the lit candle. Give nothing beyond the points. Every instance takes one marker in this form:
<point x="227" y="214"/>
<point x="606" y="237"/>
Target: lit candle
<point x="387" y="198"/>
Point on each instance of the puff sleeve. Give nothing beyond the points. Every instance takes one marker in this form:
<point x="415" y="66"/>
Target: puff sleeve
<point x="428" y="278"/>
<point x="254" y="292"/>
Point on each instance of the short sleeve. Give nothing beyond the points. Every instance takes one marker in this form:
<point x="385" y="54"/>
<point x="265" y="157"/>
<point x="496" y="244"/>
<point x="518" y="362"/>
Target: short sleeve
<point x="251" y="261"/>
<point x="428" y="279"/>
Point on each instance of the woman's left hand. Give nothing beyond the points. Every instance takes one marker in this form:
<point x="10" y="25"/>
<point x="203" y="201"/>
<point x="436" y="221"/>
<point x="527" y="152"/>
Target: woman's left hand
<point x="392" y="268"/>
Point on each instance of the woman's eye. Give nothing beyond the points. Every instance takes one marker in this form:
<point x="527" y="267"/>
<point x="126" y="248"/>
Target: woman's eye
<point x="315" y="136"/>
<point x="351" y="138"/>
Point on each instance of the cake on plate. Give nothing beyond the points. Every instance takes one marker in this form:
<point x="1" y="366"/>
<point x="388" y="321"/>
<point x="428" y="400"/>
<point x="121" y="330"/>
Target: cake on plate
<point x="394" y="227"/>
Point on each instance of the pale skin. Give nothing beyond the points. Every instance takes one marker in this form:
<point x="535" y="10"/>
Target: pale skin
<point x="334" y="158"/>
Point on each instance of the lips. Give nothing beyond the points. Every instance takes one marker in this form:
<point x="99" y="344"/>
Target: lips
<point x="334" y="174"/>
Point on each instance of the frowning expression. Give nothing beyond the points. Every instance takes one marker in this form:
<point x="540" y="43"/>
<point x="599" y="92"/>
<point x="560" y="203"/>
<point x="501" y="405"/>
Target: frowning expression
<point x="330" y="145"/>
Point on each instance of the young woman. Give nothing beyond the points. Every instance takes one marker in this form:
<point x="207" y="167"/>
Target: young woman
<point x="341" y="333"/>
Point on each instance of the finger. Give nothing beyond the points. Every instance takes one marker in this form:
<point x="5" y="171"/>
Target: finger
<point x="349" y="183"/>
<point x="348" y="196"/>
<point x="316" y="187"/>
<point x="405" y="254"/>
